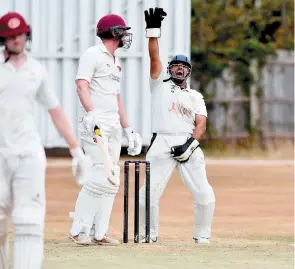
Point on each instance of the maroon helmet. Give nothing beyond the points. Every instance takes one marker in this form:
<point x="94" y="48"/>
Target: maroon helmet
<point x="12" y="24"/>
<point x="113" y="26"/>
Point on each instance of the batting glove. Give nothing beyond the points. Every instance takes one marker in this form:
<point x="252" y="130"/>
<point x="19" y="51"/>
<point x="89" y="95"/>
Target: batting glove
<point x="91" y="122"/>
<point x="183" y="152"/>
<point x="81" y="166"/>
<point x="134" y="141"/>
<point x="153" y="19"/>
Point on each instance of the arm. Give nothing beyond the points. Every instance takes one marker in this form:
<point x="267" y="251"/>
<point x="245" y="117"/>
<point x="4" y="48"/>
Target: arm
<point x="156" y="64"/>
<point x="47" y="98"/>
<point x="84" y="94"/>
<point x="62" y="124"/>
<point x="122" y="113"/>
<point x="86" y="68"/>
<point x="153" y="19"/>
<point x="200" y="128"/>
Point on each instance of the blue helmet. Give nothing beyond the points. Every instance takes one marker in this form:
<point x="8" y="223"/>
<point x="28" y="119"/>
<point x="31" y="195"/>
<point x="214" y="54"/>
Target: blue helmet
<point x="179" y="75"/>
<point x="181" y="59"/>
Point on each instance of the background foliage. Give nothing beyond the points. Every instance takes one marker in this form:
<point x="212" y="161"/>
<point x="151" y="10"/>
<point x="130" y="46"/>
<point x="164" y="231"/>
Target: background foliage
<point x="236" y="32"/>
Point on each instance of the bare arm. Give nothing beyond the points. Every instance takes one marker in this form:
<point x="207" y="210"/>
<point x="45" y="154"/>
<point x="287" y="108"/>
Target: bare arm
<point x="84" y="94"/>
<point x="122" y="112"/>
<point x="200" y="129"/>
<point x="63" y="125"/>
<point x="156" y="64"/>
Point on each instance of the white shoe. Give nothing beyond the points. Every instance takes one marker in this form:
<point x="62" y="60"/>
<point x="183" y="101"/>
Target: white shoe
<point x="152" y="239"/>
<point x="81" y="239"/>
<point x="202" y="240"/>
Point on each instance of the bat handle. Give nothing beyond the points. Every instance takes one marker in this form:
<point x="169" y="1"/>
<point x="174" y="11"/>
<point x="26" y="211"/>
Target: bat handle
<point x="97" y="131"/>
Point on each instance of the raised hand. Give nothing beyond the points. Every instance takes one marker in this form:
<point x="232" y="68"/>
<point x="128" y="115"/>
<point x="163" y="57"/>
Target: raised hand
<point x="153" y="19"/>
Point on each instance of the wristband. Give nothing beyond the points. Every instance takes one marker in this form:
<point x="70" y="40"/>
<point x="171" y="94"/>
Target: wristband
<point x="153" y="32"/>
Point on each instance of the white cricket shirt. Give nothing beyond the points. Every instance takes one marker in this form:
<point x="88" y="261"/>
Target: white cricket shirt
<point x="174" y="109"/>
<point x="103" y="72"/>
<point x="19" y="91"/>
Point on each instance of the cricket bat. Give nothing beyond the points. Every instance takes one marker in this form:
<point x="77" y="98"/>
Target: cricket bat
<point x="108" y="164"/>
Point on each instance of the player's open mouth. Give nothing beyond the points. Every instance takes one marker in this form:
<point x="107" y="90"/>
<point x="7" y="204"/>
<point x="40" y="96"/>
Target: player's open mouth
<point x="179" y="73"/>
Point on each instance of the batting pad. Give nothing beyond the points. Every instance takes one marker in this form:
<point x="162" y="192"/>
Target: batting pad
<point x="100" y="177"/>
<point x="89" y="207"/>
<point x="85" y="209"/>
<point x="92" y="230"/>
<point x="102" y="217"/>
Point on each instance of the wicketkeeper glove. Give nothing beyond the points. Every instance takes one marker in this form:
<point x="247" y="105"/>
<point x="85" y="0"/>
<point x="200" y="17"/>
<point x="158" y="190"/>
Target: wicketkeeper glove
<point x="134" y="141"/>
<point x="183" y="152"/>
<point x="153" y="19"/>
<point x="81" y="165"/>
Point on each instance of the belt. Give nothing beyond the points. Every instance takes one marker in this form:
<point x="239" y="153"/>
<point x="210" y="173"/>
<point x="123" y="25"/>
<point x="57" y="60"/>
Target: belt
<point x="174" y="134"/>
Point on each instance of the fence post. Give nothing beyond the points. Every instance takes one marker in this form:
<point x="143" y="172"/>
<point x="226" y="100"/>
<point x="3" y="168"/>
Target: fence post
<point x="254" y="100"/>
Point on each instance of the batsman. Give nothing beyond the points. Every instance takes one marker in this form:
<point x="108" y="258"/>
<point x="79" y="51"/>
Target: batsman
<point x="101" y="108"/>
<point x="179" y="118"/>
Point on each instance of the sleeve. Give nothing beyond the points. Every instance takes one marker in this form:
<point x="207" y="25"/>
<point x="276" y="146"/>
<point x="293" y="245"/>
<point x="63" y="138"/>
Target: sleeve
<point x="45" y="94"/>
<point x="201" y="106"/>
<point x="87" y="64"/>
<point x="157" y="83"/>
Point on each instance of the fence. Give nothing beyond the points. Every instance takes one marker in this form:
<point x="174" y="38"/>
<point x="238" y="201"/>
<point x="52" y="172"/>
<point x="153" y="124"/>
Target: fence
<point x="272" y="115"/>
<point x="63" y="29"/>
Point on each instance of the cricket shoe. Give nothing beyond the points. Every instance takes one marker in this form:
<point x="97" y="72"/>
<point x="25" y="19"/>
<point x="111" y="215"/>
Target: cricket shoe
<point x="152" y="239"/>
<point x="106" y="241"/>
<point x="202" y="240"/>
<point x="81" y="239"/>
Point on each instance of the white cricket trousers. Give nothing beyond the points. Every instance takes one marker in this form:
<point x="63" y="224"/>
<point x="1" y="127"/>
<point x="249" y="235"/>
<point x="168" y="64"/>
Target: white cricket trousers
<point x="22" y="198"/>
<point x="193" y="174"/>
<point x="95" y="200"/>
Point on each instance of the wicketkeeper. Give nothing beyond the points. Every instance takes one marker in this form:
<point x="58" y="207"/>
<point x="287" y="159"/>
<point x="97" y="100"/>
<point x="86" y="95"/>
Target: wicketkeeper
<point x="178" y="124"/>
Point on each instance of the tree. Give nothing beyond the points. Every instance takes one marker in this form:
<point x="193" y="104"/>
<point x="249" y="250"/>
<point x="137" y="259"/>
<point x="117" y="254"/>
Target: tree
<point x="235" y="31"/>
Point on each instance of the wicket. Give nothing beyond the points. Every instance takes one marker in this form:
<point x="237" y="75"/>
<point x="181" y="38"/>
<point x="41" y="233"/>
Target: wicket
<point x="136" y="200"/>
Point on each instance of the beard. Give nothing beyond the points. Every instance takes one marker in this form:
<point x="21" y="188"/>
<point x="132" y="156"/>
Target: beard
<point x="15" y="51"/>
<point x="178" y="81"/>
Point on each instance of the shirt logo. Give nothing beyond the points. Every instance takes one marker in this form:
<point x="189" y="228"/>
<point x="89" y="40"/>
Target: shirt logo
<point x="113" y="77"/>
<point x="179" y="109"/>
